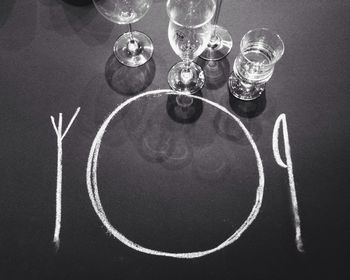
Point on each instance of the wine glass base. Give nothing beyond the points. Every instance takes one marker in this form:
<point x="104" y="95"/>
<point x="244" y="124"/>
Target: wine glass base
<point x="219" y="48"/>
<point x="186" y="79"/>
<point x="244" y="91"/>
<point x="133" y="52"/>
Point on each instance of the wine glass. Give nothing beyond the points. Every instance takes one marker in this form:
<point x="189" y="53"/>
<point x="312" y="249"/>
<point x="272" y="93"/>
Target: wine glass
<point x="189" y="33"/>
<point x="220" y="43"/>
<point x="133" y="48"/>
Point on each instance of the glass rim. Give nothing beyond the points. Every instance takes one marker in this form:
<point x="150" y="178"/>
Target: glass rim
<point x="273" y="33"/>
<point x="191" y="26"/>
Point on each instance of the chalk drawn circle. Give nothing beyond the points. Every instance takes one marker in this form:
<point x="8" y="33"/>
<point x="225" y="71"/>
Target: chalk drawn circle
<point x="91" y="182"/>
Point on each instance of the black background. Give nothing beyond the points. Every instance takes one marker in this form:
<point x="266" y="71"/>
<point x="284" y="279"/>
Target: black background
<point x="56" y="56"/>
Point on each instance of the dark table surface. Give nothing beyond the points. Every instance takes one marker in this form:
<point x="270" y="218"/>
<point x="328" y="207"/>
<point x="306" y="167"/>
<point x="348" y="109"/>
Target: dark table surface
<point x="164" y="183"/>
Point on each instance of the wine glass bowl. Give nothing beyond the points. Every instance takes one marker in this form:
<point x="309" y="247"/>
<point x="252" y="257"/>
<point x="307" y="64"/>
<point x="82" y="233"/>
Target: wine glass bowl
<point x="122" y="12"/>
<point x="132" y="48"/>
<point x="189" y="33"/>
<point x="190" y="13"/>
<point x="188" y="43"/>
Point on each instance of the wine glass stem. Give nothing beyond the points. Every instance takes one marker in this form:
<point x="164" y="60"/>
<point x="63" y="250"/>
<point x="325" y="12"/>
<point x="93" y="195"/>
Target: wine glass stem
<point x="133" y="46"/>
<point x="130" y="33"/>
<point x="215" y="20"/>
<point x="186" y="73"/>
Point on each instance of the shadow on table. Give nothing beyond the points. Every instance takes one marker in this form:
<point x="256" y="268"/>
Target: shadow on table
<point x="155" y="135"/>
<point x="80" y="18"/>
<point x="78" y="2"/>
<point x="248" y="109"/>
<point x="184" y="109"/>
<point x="126" y="80"/>
<point x="229" y="129"/>
<point x="5" y="10"/>
<point x="216" y="72"/>
<point x="161" y="143"/>
<point x="18" y="24"/>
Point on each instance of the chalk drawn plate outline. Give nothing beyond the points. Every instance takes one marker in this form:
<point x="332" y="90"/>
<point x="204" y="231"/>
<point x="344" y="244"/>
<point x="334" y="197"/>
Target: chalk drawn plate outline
<point x="91" y="182"/>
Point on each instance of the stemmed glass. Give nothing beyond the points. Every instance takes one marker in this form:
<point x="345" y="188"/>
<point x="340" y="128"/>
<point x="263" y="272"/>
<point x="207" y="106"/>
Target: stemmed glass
<point x="189" y="33"/>
<point x="220" y="43"/>
<point x="133" y="48"/>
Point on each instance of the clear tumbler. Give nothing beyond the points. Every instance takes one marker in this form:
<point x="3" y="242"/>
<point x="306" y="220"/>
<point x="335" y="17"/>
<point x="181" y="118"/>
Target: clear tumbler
<point x="260" y="49"/>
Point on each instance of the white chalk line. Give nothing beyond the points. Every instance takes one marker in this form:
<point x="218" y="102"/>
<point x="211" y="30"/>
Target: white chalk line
<point x="60" y="137"/>
<point x="289" y="165"/>
<point x="92" y="186"/>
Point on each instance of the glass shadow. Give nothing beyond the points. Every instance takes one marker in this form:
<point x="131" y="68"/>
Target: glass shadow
<point x="126" y="80"/>
<point x="184" y="109"/>
<point x="78" y="2"/>
<point x="5" y="10"/>
<point x="216" y="72"/>
<point x="248" y="108"/>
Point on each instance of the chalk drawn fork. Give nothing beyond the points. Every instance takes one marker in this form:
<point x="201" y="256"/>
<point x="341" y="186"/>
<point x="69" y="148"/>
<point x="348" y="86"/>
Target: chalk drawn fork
<point x="60" y="137"/>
